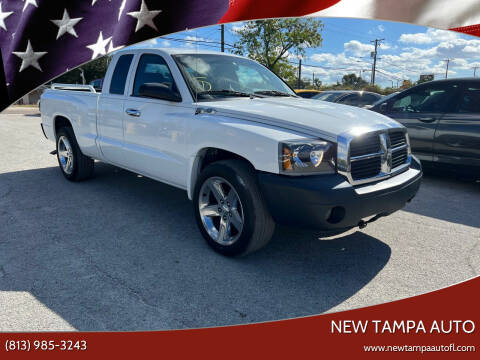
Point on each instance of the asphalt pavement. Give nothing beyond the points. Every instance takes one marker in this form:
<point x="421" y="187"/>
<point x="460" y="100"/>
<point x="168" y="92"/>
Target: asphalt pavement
<point x="122" y="252"/>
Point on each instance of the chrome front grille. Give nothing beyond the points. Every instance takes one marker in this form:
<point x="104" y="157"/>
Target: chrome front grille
<point x="373" y="156"/>
<point x="397" y="138"/>
<point x="366" y="168"/>
<point x="363" y="145"/>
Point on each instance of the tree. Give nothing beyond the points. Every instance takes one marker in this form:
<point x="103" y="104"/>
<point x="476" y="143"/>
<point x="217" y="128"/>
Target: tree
<point x="317" y="84"/>
<point x="353" y="81"/>
<point x="94" y="69"/>
<point x="270" y="42"/>
<point x="406" y="84"/>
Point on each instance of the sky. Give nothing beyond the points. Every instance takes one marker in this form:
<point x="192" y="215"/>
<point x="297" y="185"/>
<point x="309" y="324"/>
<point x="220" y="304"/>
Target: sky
<point x="407" y="51"/>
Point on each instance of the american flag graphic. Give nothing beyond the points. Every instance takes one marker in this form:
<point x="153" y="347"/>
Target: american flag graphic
<point x="41" y="39"/>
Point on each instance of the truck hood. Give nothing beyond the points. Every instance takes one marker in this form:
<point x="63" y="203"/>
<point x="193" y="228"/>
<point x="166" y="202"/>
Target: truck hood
<point x="311" y="117"/>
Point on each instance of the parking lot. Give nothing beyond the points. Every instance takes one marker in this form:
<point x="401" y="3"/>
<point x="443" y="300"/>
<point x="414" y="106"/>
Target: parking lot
<point x="122" y="252"/>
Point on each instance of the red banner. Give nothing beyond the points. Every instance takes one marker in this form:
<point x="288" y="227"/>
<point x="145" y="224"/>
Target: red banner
<point x="438" y="324"/>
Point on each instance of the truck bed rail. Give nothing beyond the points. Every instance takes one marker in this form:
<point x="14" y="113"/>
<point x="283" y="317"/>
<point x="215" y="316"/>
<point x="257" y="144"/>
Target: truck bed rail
<point x="73" y="87"/>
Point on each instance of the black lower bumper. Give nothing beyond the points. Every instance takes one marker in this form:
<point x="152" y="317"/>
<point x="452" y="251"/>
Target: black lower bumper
<point x="330" y="202"/>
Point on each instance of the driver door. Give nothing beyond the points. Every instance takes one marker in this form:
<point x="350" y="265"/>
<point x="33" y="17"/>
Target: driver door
<point x="420" y="110"/>
<point x="154" y="129"/>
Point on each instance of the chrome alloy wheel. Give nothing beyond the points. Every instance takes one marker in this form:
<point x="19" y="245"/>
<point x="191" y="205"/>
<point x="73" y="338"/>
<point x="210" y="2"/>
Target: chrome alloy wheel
<point x="65" y="154"/>
<point x="221" y="210"/>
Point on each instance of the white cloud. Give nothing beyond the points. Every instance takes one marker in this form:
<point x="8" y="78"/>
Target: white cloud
<point x="418" y="38"/>
<point x="357" y="48"/>
<point x="408" y="63"/>
<point x="428" y="37"/>
<point x="236" y="27"/>
<point x="380" y="28"/>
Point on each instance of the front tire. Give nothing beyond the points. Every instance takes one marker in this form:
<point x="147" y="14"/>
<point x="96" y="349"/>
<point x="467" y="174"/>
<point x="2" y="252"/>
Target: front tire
<point x="229" y="208"/>
<point x="74" y="165"/>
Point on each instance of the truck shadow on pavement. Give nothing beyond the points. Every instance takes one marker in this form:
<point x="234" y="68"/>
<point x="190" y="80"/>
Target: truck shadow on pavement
<point x="122" y="252"/>
<point x="448" y="198"/>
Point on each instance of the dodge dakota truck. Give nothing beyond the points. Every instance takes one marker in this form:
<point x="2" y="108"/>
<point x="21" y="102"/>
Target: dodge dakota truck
<point x="248" y="151"/>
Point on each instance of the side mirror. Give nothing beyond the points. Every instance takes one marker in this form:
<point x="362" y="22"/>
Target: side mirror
<point x="159" y="91"/>
<point x="383" y="107"/>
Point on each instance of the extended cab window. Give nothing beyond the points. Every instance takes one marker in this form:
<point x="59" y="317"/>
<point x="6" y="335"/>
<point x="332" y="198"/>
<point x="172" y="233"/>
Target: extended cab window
<point x="119" y="77"/>
<point x="152" y="69"/>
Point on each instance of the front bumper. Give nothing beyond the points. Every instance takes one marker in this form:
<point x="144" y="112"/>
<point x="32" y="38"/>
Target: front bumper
<point x="330" y="202"/>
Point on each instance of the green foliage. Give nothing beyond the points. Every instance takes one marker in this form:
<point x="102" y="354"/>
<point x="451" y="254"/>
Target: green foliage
<point x="317" y="84"/>
<point x="93" y="70"/>
<point x="353" y="81"/>
<point x="271" y="41"/>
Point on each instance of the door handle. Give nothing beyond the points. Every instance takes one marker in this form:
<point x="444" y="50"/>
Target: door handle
<point x="427" y="119"/>
<point x="133" y="112"/>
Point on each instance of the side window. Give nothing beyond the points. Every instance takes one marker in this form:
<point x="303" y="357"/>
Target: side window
<point x="469" y="102"/>
<point x="119" y="77"/>
<point x="368" y="99"/>
<point x="424" y="99"/>
<point x="352" y="99"/>
<point x="152" y="69"/>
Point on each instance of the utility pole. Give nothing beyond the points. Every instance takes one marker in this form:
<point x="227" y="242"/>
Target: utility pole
<point x="222" y="37"/>
<point x="475" y="71"/>
<point x="313" y="80"/>
<point x="377" y="42"/>
<point x="299" y="73"/>
<point x="446" y="72"/>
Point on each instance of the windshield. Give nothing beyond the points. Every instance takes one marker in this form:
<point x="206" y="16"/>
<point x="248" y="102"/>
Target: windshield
<point x="326" y="96"/>
<point x="211" y="77"/>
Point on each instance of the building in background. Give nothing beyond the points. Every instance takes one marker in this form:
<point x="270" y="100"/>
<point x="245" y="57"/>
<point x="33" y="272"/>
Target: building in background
<point x="32" y="97"/>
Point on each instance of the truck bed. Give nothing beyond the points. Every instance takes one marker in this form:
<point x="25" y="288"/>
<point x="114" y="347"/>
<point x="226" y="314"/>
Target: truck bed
<point x="78" y="106"/>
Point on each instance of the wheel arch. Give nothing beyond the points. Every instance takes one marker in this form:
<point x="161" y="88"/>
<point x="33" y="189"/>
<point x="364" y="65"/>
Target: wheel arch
<point x="60" y="121"/>
<point x="206" y="156"/>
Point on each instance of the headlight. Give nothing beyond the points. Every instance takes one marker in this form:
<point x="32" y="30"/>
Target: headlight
<point x="303" y="157"/>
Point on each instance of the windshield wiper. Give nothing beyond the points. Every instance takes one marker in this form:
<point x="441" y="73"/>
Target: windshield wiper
<point x="225" y="92"/>
<point x="274" y="93"/>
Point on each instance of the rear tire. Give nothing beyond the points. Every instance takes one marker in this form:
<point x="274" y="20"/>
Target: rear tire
<point x="227" y="193"/>
<point x="74" y="165"/>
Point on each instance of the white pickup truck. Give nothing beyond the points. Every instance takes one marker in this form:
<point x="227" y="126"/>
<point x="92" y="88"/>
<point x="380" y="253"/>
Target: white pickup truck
<point x="248" y="151"/>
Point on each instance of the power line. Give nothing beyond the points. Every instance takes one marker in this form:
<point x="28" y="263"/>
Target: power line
<point x="203" y="42"/>
<point x="400" y="67"/>
<point x="325" y="67"/>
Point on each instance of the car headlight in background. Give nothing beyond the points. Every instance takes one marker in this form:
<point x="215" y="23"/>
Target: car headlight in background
<point x="307" y="156"/>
